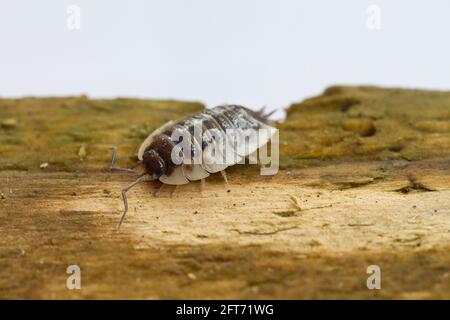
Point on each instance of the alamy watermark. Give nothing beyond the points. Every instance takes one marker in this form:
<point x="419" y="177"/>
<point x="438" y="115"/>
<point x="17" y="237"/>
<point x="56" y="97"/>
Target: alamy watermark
<point x="73" y="281"/>
<point x="374" y="280"/>
<point x="373" y="21"/>
<point x="215" y="147"/>
<point x="73" y="18"/>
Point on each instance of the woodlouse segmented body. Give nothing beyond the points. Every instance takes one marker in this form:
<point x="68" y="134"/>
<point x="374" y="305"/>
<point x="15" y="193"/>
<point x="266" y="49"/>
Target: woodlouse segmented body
<point x="236" y="126"/>
<point x="214" y="138"/>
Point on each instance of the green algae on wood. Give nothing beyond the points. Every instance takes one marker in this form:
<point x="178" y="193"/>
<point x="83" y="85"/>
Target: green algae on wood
<point x="344" y="123"/>
<point x="75" y="133"/>
<point x="366" y="123"/>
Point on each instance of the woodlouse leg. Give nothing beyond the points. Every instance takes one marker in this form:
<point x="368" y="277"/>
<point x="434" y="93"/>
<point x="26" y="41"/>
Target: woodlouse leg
<point x="113" y="160"/>
<point x="224" y="175"/>
<point x="124" y="195"/>
<point x="202" y="186"/>
<point x="173" y="191"/>
<point x="158" y="191"/>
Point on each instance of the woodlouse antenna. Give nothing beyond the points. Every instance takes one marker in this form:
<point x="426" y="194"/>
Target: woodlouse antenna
<point x="114" y="169"/>
<point x="141" y="179"/>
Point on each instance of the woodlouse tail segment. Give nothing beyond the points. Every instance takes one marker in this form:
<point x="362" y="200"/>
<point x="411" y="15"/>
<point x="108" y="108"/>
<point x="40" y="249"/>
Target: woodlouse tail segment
<point x="262" y="112"/>
<point x="141" y="179"/>
<point x="267" y="115"/>
<point x="113" y="161"/>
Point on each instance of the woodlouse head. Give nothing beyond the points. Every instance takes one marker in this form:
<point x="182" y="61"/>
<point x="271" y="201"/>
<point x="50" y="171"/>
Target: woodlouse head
<point x="154" y="164"/>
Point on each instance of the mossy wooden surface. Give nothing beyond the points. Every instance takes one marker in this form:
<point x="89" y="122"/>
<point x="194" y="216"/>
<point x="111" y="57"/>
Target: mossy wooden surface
<point x="367" y="123"/>
<point x="365" y="180"/>
<point x="75" y="133"/>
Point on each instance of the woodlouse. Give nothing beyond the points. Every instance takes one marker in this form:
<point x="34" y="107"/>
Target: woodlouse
<point x="176" y="153"/>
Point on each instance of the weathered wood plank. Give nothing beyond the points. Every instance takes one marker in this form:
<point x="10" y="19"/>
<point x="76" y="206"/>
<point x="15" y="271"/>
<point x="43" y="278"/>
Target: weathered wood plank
<point x="309" y="232"/>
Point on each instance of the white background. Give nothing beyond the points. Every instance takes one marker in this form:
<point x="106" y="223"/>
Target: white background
<point x="250" y="52"/>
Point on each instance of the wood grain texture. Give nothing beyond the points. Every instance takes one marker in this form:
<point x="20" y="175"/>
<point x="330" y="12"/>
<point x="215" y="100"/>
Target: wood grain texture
<point x="309" y="232"/>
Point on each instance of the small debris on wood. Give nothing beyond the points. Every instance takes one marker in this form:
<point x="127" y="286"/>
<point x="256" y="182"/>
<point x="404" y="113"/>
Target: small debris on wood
<point x="82" y="152"/>
<point x="285" y="214"/>
<point x="44" y="165"/>
<point x="296" y="202"/>
<point x="298" y="208"/>
<point x="268" y="233"/>
<point x="414" y="185"/>
<point x="192" y="276"/>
